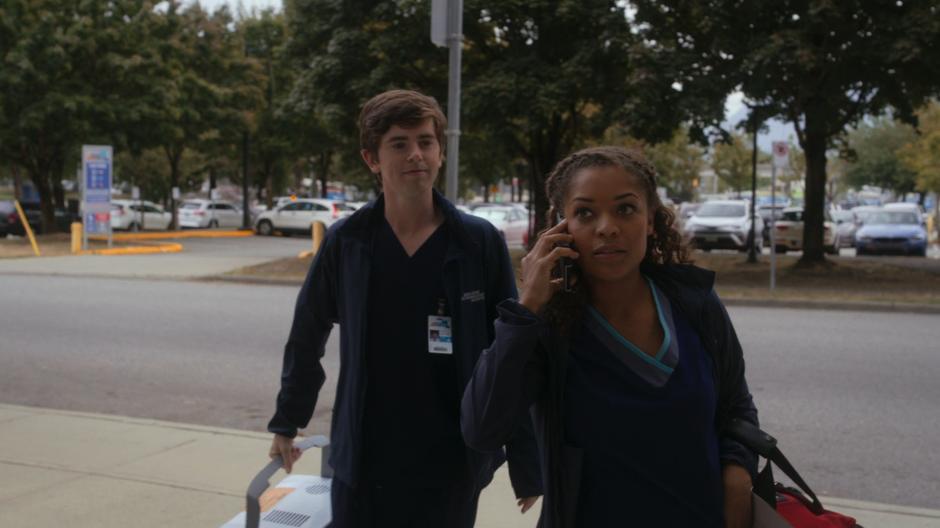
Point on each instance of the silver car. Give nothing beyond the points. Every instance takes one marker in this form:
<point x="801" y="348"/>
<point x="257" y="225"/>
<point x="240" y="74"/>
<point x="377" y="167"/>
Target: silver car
<point x="723" y="224"/>
<point x="298" y="216"/>
<point x="209" y="214"/>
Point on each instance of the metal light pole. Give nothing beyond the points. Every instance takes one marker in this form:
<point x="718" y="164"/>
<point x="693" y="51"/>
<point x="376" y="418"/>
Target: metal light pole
<point x="447" y="29"/>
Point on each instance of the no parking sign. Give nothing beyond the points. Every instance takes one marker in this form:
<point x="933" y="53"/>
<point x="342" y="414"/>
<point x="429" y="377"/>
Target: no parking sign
<point x="781" y="154"/>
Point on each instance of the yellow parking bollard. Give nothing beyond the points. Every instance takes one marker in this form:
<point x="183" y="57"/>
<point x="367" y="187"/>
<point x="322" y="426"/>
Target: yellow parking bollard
<point x="29" y="230"/>
<point x="76" y="237"/>
<point x="318" y="230"/>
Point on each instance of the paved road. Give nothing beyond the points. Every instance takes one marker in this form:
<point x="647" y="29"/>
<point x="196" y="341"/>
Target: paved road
<point x="853" y="397"/>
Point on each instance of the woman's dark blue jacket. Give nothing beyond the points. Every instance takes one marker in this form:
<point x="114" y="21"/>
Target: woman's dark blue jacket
<point x="525" y="370"/>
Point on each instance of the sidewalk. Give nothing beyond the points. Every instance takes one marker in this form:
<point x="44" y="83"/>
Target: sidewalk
<point x="60" y="468"/>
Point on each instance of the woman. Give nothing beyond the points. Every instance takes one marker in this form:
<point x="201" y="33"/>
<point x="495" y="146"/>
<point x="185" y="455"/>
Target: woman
<point x="631" y="375"/>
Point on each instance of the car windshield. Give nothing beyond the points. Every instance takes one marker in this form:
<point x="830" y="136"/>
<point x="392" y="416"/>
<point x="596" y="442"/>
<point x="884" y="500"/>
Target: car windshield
<point x="842" y="216"/>
<point x="719" y="210"/>
<point x="886" y="217"/>
<point x="492" y="213"/>
<point x="792" y="216"/>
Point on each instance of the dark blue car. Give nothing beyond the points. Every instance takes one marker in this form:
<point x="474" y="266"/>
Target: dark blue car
<point x="892" y="232"/>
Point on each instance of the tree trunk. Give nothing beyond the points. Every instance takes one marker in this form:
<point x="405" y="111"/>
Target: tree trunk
<point x="813" y="209"/>
<point x="174" y="159"/>
<point x="486" y="193"/>
<point x="323" y="168"/>
<point x="17" y="182"/>
<point x="269" y="189"/>
<point x="46" y="205"/>
<point x="538" y="200"/>
<point x="212" y="182"/>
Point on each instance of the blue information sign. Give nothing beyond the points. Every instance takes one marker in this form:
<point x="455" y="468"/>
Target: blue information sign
<point x="96" y="188"/>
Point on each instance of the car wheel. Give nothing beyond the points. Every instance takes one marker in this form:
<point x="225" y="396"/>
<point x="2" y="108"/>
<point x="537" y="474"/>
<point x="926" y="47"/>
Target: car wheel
<point x="133" y="227"/>
<point x="832" y="250"/>
<point x="213" y="224"/>
<point x="265" y="228"/>
<point x="781" y="250"/>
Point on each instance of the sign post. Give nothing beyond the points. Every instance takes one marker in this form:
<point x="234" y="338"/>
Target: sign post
<point x="447" y="29"/>
<point x="97" y="172"/>
<point x="781" y="155"/>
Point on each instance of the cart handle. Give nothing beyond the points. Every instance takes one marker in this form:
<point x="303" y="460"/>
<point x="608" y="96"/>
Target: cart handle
<point x="260" y="483"/>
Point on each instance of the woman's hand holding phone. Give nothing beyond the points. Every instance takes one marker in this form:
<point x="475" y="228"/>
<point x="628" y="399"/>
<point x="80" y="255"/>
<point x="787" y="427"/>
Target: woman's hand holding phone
<point x="538" y="285"/>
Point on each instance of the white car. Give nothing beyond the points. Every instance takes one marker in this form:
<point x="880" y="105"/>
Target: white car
<point x="299" y="215"/>
<point x="512" y="222"/>
<point x="203" y="214"/>
<point x="723" y="224"/>
<point x="788" y="232"/>
<point x="134" y="215"/>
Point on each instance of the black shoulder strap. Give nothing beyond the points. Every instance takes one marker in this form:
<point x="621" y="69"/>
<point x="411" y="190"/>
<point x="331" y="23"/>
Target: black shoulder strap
<point x="766" y="446"/>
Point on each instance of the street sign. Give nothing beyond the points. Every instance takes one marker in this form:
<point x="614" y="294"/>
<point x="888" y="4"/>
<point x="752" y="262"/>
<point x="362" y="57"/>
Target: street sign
<point x="781" y="151"/>
<point x="439" y="23"/>
<point x="135" y="193"/>
<point x="96" y="188"/>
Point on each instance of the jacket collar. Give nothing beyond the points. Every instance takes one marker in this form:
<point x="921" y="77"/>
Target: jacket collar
<point x="362" y="223"/>
<point x="686" y="284"/>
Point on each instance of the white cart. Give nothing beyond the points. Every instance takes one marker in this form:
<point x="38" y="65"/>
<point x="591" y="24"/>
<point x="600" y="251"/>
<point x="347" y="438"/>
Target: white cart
<point x="301" y="501"/>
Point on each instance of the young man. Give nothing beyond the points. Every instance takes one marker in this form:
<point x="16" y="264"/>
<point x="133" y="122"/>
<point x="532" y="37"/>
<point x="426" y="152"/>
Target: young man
<point x="414" y="285"/>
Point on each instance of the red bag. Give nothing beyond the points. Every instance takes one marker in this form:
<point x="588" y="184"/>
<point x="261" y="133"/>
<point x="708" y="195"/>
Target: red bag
<point x="798" y="509"/>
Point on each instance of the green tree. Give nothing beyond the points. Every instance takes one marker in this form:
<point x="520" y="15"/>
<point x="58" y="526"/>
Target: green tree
<point x="873" y="155"/>
<point x="679" y="163"/>
<point x="795" y="169"/>
<point x="819" y="64"/>
<point x="71" y="73"/>
<point x="922" y="156"/>
<point x="732" y="163"/>
<point x="278" y="134"/>
<point x="210" y="86"/>
<point x="540" y="79"/>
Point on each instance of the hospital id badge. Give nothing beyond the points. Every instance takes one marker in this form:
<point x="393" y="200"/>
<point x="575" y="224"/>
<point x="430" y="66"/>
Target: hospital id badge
<point x="439" y="335"/>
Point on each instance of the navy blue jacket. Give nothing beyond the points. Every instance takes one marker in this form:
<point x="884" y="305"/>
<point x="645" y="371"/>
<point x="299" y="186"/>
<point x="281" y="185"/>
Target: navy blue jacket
<point x="477" y="275"/>
<point x="526" y="368"/>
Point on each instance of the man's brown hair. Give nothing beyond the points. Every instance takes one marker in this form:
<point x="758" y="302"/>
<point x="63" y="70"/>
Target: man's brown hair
<point x="404" y="108"/>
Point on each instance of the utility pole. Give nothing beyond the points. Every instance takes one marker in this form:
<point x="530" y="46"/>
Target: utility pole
<point x="447" y="29"/>
<point x="752" y="244"/>
<point x="246" y="217"/>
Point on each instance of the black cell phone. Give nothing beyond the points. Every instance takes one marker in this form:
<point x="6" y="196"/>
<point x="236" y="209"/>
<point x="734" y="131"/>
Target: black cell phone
<point x="564" y="269"/>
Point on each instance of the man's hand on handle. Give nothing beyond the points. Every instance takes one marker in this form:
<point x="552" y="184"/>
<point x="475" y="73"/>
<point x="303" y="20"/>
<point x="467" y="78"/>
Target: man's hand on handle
<point x="526" y="503"/>
<point x="283" y="447"/>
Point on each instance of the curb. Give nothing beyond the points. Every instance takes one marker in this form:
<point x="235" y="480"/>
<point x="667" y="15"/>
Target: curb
<point x="248" y="279"/>
<point x="878" y="507"/>
<point x="853" y="306"/>
<point x="196" y="233"/>
<point x="136" y="421"/>
<point x="136" y="250"/>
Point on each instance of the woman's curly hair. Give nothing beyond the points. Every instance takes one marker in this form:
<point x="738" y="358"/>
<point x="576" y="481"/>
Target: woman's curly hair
<point x="663" y="246"/>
